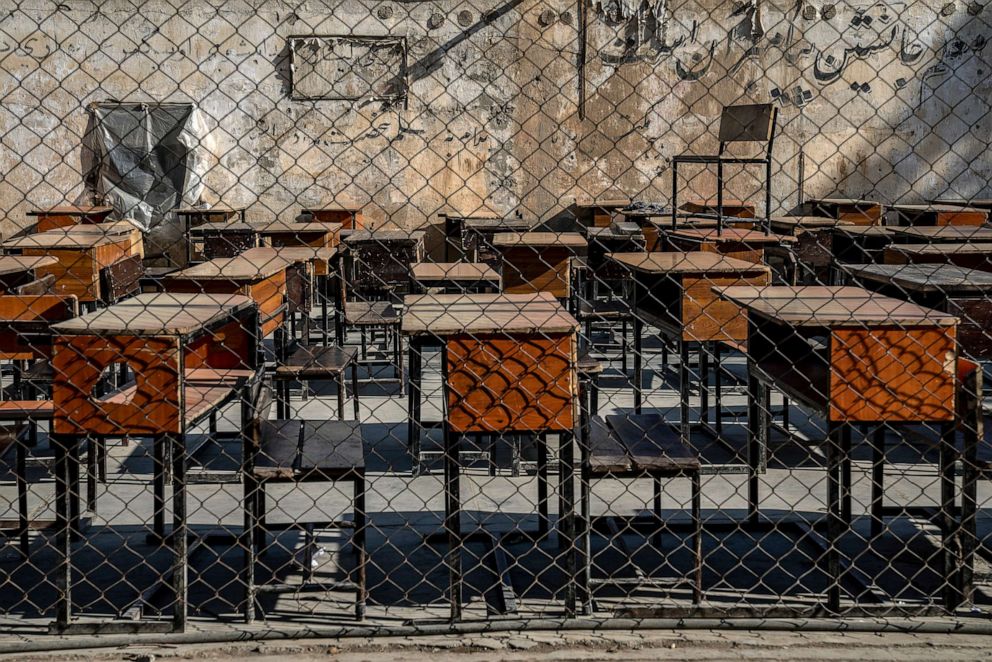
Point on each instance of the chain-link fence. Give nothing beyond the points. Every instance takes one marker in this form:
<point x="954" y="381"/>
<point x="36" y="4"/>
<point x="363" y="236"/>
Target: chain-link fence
<point x="518" y="312"/>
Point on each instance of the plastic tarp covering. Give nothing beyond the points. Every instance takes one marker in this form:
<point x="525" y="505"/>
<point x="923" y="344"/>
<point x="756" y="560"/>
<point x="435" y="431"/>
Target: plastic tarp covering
<point x="149" y="159"/>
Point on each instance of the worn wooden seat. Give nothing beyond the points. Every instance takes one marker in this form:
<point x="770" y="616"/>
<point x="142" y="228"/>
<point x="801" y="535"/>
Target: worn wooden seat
<point x="370" y="313"/>
<point x="23" y="410"/>
<point x="37" y="287"/>
<point x="297" y="451"/>
<point x="604" y="310"/>
<point x="639" y="446"/>
<point x="316" y="362"/>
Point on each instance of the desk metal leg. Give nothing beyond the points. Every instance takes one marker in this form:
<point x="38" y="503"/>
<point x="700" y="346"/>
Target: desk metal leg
<point x="543" y="518"/>
<point x="697" y="539"/>
<point x="179" y="540"/>
<point x="160" y="444"/>
<point x="20" y="475"/>
<point x="413" y="404"/>
<point x="361" y="553"/>
<point x="92" y="469"/>
<point x="75" y="493"/>
<point x="685" y="426"/>
<point x="717" y="388"/>
<point x="969" y="511"/>
<point x="566" y="518"/>
<point x="877" y="482"/>
<point x="950" y="535"/>
<point x="354" y="390"/>
<point x="63" y="559"/>
<point x="754" y="423"/>
<point x="845" y="475"/>
<point x="638" y="364"/>
<point x="835" y="443"/>
<point x="704" y="385"/>
<point x="452" y="521"/>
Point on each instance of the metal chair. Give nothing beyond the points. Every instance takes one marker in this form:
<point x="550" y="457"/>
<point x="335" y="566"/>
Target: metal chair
<point x="298" y="451"/>
<point x="738" y="124"/>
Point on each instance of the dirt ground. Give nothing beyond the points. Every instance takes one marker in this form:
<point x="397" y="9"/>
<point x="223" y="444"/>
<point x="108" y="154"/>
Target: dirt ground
<point x="621" y="645"/>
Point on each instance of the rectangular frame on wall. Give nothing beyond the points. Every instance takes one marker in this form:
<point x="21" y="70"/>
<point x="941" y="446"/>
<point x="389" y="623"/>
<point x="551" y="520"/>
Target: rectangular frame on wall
<point x="369" y="46"/>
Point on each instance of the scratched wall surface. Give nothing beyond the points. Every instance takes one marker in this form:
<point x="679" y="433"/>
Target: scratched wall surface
<point x="879" y="99"/>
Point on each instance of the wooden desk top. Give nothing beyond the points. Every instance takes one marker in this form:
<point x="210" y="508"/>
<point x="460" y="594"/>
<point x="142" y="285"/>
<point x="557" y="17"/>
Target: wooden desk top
<point x="497" y="224"/>
<point x="206" y="211"/>
<point x="864" y="230"/>
<point x="845" y="202"/>
<point x="453" y="271"/>
<point x="686" y="263"/>
<point x="735" y="235"/>
<point x="15" y="264"/>
<point x="160" y="313"/>
<point x="240" y="267"/>
<point x="831" y="307"/>
<point x="72" y="210"/>
<point x="353" y="210"/>
<point x="976" y="248"/>
<point x="289" y="254"/>
<point x="289" y="227"/>
<point x="945" y="233"/>
<point x="609" y="232"/>
<point x="943" y="278"/>
<point x="648" y="213"/>
<point x="458" y="314"/>
<point x="540" y="239"/>
<point x="664" y="223"/>
<point x="223" y="226"/>
<point x="74" y="237"/>
<point x="795" y="224"/>
<point x="977" y="203"/>
<point x="605" y="203"/>
<point x="710" y="203"/>
<point x="933" y="208"/>
<point x="372" y="236"/>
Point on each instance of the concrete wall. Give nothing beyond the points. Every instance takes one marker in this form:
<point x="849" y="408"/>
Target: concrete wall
<point x="887" y="100"/>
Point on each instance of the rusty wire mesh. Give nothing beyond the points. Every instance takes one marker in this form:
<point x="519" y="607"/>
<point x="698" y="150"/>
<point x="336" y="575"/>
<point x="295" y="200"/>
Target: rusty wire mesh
<point x="229" y="408"/>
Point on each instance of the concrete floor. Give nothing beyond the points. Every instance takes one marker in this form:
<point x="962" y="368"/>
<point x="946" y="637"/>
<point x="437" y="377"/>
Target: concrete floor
<point x="776" y="564"/>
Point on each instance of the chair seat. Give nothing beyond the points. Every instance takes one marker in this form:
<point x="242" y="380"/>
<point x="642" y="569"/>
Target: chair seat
<point x="625" y="445"/>
<point x="316" y="361"/>
<point x="371" y="313"/>
<point x="39" y="372"/>
<point x="294" y="450"/>
<point x="20" y="410"/>
<point x="603" y="310"/>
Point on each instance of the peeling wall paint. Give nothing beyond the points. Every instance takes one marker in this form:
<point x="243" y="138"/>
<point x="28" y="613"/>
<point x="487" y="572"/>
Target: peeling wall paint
<point x="883" y="99"/>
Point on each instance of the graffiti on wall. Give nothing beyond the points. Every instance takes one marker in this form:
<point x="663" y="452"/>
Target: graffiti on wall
<point x="858" y="47"/>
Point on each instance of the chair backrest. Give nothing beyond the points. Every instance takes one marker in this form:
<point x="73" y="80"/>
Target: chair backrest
<point x="36" y="287"/>
<point x="229" y="244"/>
<point x="383" y="264"/>
<point x="121" y="279"/>
<point x="260" y="402"/>
<point x="750" y="123"/>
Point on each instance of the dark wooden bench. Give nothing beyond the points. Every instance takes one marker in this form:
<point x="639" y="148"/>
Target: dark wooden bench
<point x="638" y="446"/>
<point x="298" y="451"/>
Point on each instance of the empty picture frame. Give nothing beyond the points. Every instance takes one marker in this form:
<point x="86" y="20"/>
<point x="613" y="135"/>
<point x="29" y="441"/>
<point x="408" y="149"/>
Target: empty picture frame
<point x="348" y="67"/>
